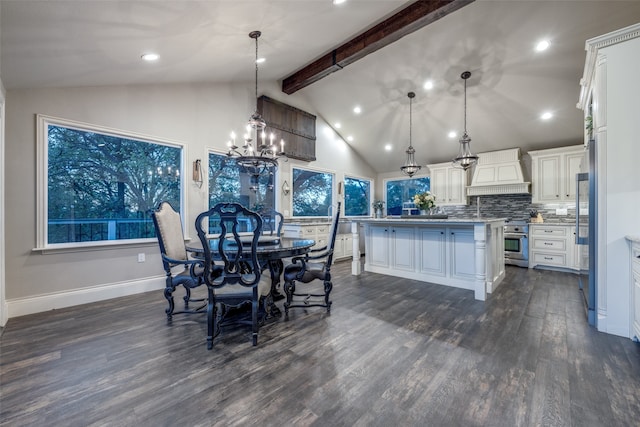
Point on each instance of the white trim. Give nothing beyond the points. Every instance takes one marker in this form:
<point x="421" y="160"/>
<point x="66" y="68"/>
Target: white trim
<point x="36" y="304"/>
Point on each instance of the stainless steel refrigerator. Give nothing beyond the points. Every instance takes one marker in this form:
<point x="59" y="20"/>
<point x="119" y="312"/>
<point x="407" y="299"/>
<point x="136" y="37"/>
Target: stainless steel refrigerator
<point x="586" y="232"/>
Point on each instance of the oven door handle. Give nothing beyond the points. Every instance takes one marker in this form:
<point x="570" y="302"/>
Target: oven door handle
<point x="515" y="235"/>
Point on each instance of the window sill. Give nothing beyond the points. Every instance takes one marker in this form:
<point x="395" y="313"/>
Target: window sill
<point x="102" y="245"/>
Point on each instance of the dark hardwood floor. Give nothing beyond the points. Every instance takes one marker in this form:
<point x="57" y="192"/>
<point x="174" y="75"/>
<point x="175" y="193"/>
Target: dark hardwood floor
<point x="393" y="352"/>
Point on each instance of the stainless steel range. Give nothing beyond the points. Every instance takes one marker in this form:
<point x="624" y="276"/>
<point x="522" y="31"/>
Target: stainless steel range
<point x="516" y="243"/>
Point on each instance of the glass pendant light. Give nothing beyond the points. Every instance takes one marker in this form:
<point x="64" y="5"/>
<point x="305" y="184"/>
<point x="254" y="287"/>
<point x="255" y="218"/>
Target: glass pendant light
<point x="410" y="166"/>
<point x="465" y="158"/>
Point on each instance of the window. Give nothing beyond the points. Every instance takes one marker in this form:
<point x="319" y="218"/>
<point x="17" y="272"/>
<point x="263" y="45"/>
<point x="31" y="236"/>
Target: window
<point x="312" y="193"/>
<point x="229" y="182"/>
<point x="357" y="197"/>
<point x="100" y="184"/>
<point x="403" y="190"/>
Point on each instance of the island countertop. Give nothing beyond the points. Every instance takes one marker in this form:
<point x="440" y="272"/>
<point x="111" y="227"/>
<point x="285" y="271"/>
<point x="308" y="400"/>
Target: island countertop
<point x="418" y="220"/>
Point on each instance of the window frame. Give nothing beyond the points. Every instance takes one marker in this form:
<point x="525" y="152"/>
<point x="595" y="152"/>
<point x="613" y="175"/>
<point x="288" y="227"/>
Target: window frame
<point x="277" y="190"/>
<point x="399" y="178"/>
<point x="42" y="174"/>
<point x="316" y="170"/>
<point x="369" y="202"/>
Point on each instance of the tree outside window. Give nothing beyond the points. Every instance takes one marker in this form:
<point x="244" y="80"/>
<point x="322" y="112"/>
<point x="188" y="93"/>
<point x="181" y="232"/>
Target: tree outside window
<point x="312" y="193"/>
<point x="229" y="182"/>
<point x="403" y="190"/>
<point x="357" y="197"/>
<point x="103" y="186"/>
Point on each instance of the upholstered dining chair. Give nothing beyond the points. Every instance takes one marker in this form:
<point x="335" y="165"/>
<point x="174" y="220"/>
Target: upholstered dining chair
<point x="232" y="271"/>
<point x="315" y="265"/>
<point x="170" y="235"/>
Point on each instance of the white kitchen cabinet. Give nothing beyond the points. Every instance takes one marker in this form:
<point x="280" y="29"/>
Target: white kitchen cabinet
<point x="343" y="247"/>
<point x="635" y="287"/>
<point x="392" y="247"/>
<point x="432" y="242"/>
<point x="449" y="184"/>
<point x="554" y="174"/>
<point x="462" y="257"/>
<point x="378" y="246"/>
<point x="315" y="231"/>
<point x="553" y="245"/>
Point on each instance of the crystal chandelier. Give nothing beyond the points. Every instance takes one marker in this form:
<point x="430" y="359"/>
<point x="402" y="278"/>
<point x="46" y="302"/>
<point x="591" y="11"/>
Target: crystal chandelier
<point x="465" y="159"/>
<point x="261" y="158"/>
<point x="410" y="166"/>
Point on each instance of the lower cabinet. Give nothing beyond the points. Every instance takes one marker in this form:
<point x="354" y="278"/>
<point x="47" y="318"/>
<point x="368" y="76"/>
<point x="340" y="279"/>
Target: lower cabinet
<point x="432" y="243"/>
<point x="343" y="247"/>
<point x="463" y="253"/>
<point x="635" y="290"/>
<point x="553" y="245"/>
<point x="392" y="247"/>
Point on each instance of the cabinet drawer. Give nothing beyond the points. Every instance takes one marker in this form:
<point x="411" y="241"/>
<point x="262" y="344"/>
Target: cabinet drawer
<point x="542" y="258"/>
<point x="550" y="244"/>
<point x="309" y="231"/>
<point x="550" y="231"/>
<point x="322" y="230"/>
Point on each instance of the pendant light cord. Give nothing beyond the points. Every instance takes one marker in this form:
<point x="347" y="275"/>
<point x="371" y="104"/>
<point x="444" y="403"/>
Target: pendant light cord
<point x="465" y="105"/>
<point x="257" y="74"/>
<point x="410" y="119"/>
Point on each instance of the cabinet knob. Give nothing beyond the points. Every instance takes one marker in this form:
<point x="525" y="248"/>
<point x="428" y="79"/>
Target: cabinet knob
<point x="442" y="232"/>
<point x="557" y="195"/>
<point x="567" y="195"/>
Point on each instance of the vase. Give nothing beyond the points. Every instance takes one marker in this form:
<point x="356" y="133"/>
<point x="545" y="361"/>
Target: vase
<point x="378" y="213"/>
<point x="424" y="212"/>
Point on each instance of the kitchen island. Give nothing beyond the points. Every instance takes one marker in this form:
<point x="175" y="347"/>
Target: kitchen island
<point x="464" y="253"/>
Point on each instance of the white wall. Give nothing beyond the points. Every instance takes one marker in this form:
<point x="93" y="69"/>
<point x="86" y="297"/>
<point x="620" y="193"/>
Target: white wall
<point x="201" y="116"/>
<point x="622" y="181"/>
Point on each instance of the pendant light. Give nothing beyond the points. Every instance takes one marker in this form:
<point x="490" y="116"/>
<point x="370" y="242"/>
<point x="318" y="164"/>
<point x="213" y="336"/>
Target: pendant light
<point x="465" y="159"/>
<point x="410" y="166"/>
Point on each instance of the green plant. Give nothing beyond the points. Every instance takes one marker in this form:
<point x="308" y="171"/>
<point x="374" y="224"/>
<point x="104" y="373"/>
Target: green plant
<point x="378" y="204"/>
<point x="588" y="124"/>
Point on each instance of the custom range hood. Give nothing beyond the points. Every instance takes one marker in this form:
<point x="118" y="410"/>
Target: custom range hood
<point x="498" y="172"/>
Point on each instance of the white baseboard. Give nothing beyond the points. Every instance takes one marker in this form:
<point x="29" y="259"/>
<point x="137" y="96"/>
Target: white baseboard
<point x="30" y="305"/>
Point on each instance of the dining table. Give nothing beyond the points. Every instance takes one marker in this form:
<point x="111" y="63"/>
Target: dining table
<point x="271" y="251"/>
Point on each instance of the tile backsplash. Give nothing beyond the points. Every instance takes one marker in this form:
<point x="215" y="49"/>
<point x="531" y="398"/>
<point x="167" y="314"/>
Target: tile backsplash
<point x="513" y="206"/>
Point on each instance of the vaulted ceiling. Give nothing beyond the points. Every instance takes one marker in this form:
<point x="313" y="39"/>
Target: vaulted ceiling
<point x="57" y="43"/>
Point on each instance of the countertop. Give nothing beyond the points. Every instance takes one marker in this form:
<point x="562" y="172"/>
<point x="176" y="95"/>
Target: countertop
<point x="634" y="239"/>
<point x="398" y="220"/>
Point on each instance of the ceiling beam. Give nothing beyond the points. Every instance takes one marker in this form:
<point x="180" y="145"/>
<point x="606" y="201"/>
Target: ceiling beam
<point x="406" y="21"/>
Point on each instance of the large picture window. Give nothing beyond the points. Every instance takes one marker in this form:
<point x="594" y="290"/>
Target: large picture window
<point x="99" y="184"/>
<point x="357" y="197"/>
<point x="312" y="193"/>
<point x="403" y="190"/>
<point x="229" y="182"/>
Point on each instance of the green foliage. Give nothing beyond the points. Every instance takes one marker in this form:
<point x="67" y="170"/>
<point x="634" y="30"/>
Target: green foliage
<point x="311" y="192"/>
<point x="357" y="193"/>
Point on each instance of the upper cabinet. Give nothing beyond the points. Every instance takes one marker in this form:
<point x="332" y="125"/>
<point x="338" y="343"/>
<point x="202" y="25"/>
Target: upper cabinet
<point x="554" y="173"/>
<point x="449" y="184"/>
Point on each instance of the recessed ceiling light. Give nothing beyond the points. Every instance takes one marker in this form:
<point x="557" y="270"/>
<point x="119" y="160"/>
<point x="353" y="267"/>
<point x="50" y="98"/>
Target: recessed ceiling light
<point x="349" y="138"/>
<point x="546" y="115"/>
<point x="337" y="125"/>
<point x="339" y="1"/>
<point x="428" y="85"/>
<point x="260" y="60"/>
<point x="452" y="134"/>
<point x="542" y="45"/>
<point x="388" y="147"/>
<point x="150" y="56"/>
<point x="357" y="109"/>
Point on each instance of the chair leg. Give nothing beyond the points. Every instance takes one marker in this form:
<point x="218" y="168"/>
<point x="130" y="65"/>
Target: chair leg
<point x="187" y="296"/>
<point x="211" y="319"/>
<point x="254" y="316"/>
<point x="328" y="286"/>
<point x="289" y="290"/>
<point x="168" y="294"/>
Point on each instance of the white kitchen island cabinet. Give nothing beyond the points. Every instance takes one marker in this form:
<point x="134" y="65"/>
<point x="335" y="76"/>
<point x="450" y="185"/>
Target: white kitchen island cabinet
<point x="463" y="253"/>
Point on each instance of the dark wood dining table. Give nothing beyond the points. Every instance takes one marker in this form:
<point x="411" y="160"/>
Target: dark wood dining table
<point x="271" y="251"/>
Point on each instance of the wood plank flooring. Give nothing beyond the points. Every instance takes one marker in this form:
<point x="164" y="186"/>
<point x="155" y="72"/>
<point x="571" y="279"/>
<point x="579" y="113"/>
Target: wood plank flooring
<point x="393" y="352"/>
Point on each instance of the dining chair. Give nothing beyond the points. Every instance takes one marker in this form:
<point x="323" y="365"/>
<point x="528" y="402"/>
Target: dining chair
<point x="232" y="271"/>
<point x="272" y="222"/>
<point x="168" y="226"/>
<point x="315" y="265"/>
